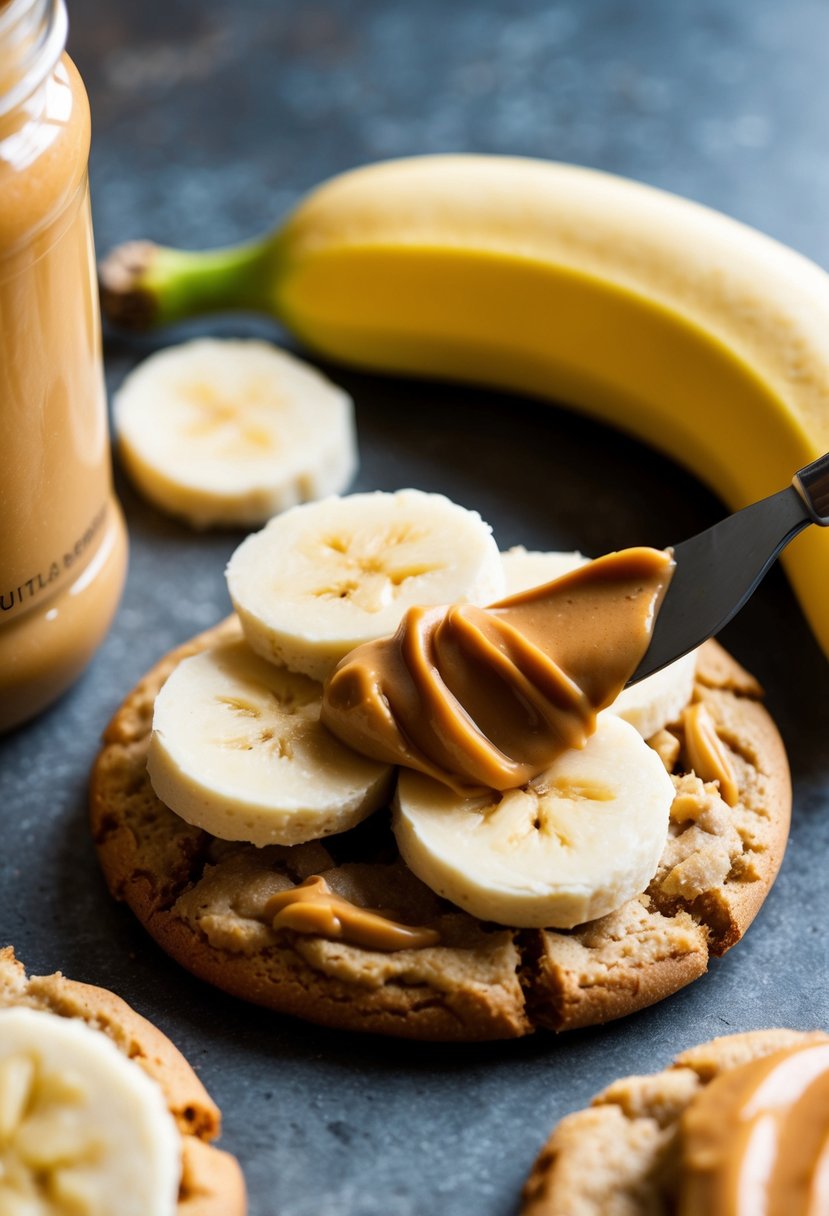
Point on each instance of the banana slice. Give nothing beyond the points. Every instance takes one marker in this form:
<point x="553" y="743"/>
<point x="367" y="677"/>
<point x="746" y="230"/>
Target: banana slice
<point x="648" y="705"/>
<point x="525" y="568"/>
<point x="321" y="579"/>
<point x="658" y="700"/>
<point x="83" y="1131"/>
<point x="238" y="749"/>
<point x="578" y="842"/>
<point x="231" y="432"/>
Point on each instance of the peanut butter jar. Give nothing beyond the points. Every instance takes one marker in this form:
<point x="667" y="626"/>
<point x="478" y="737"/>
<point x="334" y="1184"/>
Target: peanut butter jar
<point x="62" y="538"/>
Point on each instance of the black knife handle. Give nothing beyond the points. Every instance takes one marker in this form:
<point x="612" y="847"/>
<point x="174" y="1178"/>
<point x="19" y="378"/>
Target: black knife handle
<point x="812" y="484"/>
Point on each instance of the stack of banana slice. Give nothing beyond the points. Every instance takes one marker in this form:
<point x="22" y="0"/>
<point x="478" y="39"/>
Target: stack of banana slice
<point x="238" y="748"/>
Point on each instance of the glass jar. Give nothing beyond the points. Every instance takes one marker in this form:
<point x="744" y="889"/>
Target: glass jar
<point x="62" y="538"/>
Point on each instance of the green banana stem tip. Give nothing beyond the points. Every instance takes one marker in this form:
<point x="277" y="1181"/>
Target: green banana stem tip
<point x="124" y="299"/>
<point x="144" y="285"/>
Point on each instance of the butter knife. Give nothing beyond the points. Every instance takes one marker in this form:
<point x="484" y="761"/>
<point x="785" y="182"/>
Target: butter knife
<point x="718" y="570"/>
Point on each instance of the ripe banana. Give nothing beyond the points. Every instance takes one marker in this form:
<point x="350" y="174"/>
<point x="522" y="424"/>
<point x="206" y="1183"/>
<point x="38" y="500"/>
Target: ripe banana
<point x="238" y="749"/>
<point x="230" y="432"/>
<point x="648" y="705"/>
<point x="577" y="842"/>
<point x="82" y="1129"/>
<point x="664" y="318"/>
<point x="322" y="578"/>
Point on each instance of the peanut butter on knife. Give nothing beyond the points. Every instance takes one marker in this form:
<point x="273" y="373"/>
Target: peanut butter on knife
<point x="489" y="697"/>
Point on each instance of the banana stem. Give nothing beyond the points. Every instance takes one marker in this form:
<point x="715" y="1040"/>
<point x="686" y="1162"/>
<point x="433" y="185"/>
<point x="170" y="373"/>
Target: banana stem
<point x="145" y="285"/>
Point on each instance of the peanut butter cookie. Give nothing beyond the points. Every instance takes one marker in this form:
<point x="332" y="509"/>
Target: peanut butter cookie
<point x="621" y="1156"/>
<point x="209" y="903"/>
<point x="211" y="1181"/>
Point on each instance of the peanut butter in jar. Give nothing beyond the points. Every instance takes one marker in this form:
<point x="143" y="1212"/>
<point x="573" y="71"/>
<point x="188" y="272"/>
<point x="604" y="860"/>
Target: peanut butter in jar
<point x="62" y="538"/>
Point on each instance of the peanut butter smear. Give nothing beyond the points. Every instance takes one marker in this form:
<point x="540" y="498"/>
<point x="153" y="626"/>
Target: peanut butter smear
<point x="312" y="907"/>
<point x="706" y="754"/>
<point x="755" y="1141"/>
<point x="489" y="697"/>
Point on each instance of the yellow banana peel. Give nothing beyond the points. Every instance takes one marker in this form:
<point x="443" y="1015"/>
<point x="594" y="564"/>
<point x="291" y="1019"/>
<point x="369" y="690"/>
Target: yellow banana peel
<point x="673" y="322"/>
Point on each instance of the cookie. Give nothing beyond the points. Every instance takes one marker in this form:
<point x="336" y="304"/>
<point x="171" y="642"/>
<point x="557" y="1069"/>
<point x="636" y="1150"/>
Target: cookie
<point x="204" y="900"/>
<point x="211" y="1183"/>
<point x="619" y="1156"/>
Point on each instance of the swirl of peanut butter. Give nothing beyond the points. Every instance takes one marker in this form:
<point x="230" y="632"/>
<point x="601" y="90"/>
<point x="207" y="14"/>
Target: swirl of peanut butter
<point x="488" y="697"/>
<point x="312" y="907"/>
<point x="706" y="754"/>
<point x="755" y="1141"/>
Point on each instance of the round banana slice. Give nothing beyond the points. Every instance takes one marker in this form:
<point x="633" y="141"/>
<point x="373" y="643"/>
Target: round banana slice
<point x="525" y="568"/>
<point x="659" y="699"/>
<point x="648" y="705"/>
<point x="83" y="1131"/>
<point x="238" y="749"/>
<point x="321" y="579"/>
<point x="230" y="432"/>
<point x="576" y="843"/>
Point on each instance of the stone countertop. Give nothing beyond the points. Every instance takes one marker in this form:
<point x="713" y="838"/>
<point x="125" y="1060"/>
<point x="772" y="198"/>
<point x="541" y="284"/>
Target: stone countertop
<point x="210" y="120"/>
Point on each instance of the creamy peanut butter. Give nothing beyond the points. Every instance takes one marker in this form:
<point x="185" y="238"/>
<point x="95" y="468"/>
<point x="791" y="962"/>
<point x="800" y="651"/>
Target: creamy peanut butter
<point x="706" y="753"/>
<point x="490" y="696"/>
<point x="755" y="1141"/>
<point x="312" y="907"/>
<point x="62" y="542"/>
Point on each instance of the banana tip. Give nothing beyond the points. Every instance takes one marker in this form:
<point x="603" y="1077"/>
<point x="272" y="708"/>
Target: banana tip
<point x="125" y="300"/>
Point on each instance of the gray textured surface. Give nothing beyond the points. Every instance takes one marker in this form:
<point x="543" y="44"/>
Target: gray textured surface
<point x="210" y="119"/>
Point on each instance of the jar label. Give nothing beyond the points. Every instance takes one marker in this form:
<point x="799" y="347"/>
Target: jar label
<point x="19" y="596"/>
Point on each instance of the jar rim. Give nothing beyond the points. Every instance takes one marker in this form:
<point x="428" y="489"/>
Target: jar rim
<point x="38" y="45"/>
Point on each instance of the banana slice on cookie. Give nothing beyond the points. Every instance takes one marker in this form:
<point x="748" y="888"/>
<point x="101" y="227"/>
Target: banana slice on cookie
<point x="322" y="578"/>
<point x="658" y="700"/>
<point x="575" y="844"/>
<point x="82" y="1129"/>
<point x="222" y="431"/>
<point x="238" y="749"/>
<point x="649" y="705"/>
<point x="525" y="568"/>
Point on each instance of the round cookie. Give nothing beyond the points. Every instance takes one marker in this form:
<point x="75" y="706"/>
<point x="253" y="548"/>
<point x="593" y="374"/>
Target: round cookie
<point x="618" y="1157"/>
<point x="204" y="900"/>
<point x="211" y="1181"/>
